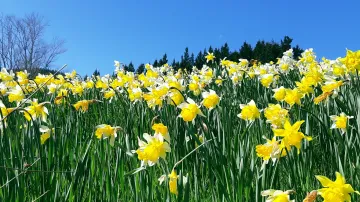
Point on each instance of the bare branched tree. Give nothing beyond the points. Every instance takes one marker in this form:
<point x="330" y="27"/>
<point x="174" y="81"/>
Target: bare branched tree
<point x="22" y="44"/>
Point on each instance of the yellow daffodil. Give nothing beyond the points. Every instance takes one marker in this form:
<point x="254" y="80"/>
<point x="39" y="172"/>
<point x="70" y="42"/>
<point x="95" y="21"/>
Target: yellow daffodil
<point x="46" y="132"/>
<point x="105" y="131"/>
<point x="275" y="115"/>
<point x="277" y="195"/>
<point x="340" y="122"/>
<point x="36" y="110"/>
<point x="351" y="60"/>
<point x="189" y="110"/>
<point x="173" y="182"/>
<point x="279" y="93"/>
<point x="161" y="129"/>
<point x="211" y="99"/>
<point x="209" y="57"/>
<point x="16" y="94"/>
<point x="270" y="150"/>
<point x="83" y="105"/>
<point x="291" y="135"/>
<point x="249" y="112"/>
<point x="149" y="153"/>
<point x="266" y="80"/>
<point x="335" y="191"/>
<point x="293" y="96"/>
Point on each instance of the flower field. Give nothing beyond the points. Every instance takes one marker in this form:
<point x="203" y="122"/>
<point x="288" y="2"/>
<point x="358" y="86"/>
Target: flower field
<point x="288" y="130"/>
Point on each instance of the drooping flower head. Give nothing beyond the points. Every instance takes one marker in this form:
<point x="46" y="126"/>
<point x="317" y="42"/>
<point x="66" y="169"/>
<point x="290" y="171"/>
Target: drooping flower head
<point x="105" y="131"/>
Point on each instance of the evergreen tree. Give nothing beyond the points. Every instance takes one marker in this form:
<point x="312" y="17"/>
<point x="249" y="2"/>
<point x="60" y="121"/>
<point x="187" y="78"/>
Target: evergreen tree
<point x="199" y="60"/>
<point x="156" y="63"/>
<point x="246" y="52"/>
<point x="96" y="72"/>
<point x="224" y="51"/>
<point x="192" y="60"/>
<point x="140" y="69"/>
<point x="297" y="52"/>
<point x="286" y="43"/>
<point x="164" y="60"/>
<point x="185" y="62"/>
<point x="131" y="67"/>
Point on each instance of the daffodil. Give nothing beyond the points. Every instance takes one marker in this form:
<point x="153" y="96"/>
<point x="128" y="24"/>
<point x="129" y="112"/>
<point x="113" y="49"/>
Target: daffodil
<point x="335" y="191"/>
<point x="83" y="105"/>
<point x="276" y="115"/>
<point x="293" y="96"/>
<point x="211" y="99"/>
<point x="161" y="129"/>
<point x="291" y="135"/>
<point x="340" y="121"/>
<point x="151" y="151"/>
<point x="209" y="57"/>
<point x="266" y="80"/>
<point x="16" y="94"/>
<point x="351" y="60"/>
<point x="249" y="112"/>
<point x="46" y="132"/>
<point x="279" y="93"/>
<point x="36" y="110"/>
<point x="277" y="195"/>
<point x="109" y="94"/>
<point x="189" y="110"/>
<point x="270" y="150"/>
<point x="105" y="131"/>
<point x="173" y="180"/>
<point x="4" y="113"/>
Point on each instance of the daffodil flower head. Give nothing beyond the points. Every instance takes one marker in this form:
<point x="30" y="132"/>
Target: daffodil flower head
<point x="277" y="195"/>
<point x="46" y="132"/>
<point x="16" y="94"/>
<point x="291" y="135"/>
<point x="276" y="115"/>
<point x="161" y="129"/>
<point x="335" y="191"/>
<point x="83" y="105"/>
<point x="209" y="57"/>
<point x="36" y="110"/>
<point x="340" y="121"/>
<point x="266" y="80"/>
<point x="105" y="131"/>
<point x="249" y="112"/>
<point x="293" y="96"/>
<point x="211" y="99"/>
<point x="279" y="93"/>
<point x="189" y="110"/>
<point x="151" y="151"/>
<point x="270" y="150"/>
<point x="173" y="180"/>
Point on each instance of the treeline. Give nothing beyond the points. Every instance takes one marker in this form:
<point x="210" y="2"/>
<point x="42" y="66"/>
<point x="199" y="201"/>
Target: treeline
<point x="262" y="51"/>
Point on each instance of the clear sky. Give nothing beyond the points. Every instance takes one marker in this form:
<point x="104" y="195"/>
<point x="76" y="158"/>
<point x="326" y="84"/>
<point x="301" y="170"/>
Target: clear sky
<point x="99" y="32"/>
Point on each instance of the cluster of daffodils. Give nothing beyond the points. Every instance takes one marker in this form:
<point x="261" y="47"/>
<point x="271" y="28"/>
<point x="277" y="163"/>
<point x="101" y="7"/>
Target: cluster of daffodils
<point x="193" y="96"/>
<point x="288" y="134"/>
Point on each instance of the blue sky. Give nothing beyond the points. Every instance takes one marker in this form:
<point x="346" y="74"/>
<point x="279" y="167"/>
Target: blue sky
<point x="99" y="32"/>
